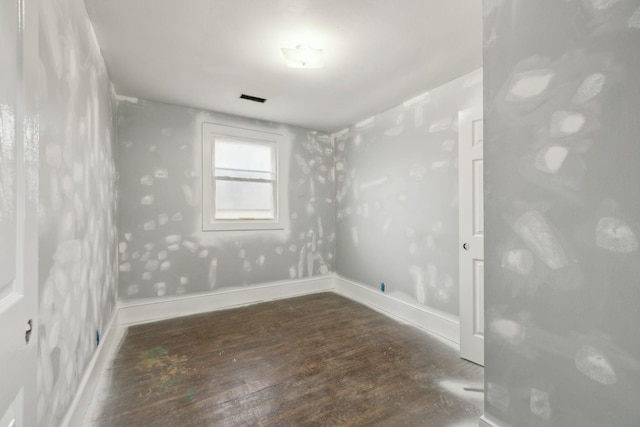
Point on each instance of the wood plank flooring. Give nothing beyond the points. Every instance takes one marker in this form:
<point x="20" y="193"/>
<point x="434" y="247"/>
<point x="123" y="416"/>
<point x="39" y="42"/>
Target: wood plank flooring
<point x="318" y="360"/>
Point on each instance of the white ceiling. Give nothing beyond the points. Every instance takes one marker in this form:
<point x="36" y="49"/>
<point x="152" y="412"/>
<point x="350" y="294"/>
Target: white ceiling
<point x="205" y="53"/>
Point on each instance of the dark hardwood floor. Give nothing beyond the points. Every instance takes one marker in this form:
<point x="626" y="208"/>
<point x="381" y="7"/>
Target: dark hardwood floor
<point x="318" y="360"/>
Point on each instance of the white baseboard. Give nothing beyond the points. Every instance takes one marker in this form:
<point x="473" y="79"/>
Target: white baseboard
<point x="144" y="311"/>
<point x="484" y="422"/>
<point x="109" y="344"/>
<point x="129" y="313"/>
<point x="430" y="321"/>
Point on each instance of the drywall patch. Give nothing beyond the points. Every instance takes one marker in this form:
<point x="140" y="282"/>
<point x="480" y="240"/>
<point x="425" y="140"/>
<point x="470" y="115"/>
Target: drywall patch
<point x="498" y="396"/>
<point x="590" y="88"/>
<point x="354" y="236"/>
<point x="147" y="200"/>
<point x="634" y="20"/>
<point x="536" y="233"/>
<point x="519" y="261"/>
<point x="575" y="211"/>
<point x="595" y="365"/>
<point x="213" y="272"/>
<point x="603" y="4"/>
<point x="418" y="280"/>
<point x="539" y="404"/>
<point x="508" y="331"/>
<point x="441" y="125"/>
<point x="374" y="183"/>
<point x="386" y="225"/>
<point x="397" y="175"/>
<point x="529" y="84"/>
<point x="615" y="235"/>
<point x="550" y="159"/>
<point x="75" y="187"/>
<point x="566" y="123"/>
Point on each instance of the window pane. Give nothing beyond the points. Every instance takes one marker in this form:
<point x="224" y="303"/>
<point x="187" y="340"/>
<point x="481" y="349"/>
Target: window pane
<point x="238" y="200"/>
<point x="243" y="156"/>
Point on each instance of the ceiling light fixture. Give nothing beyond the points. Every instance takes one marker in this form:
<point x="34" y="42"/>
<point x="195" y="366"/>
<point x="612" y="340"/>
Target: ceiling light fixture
<point x="303" y="56"/>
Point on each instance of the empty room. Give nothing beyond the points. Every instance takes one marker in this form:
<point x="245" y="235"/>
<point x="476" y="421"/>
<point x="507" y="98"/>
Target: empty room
<point x="328" y="213"/>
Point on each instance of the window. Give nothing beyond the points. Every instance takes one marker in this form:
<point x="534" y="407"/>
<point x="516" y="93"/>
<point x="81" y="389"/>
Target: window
<point x="240" y="179"/>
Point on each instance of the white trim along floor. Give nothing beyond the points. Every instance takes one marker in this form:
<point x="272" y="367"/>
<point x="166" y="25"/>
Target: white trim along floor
<point x="129" y="313"/>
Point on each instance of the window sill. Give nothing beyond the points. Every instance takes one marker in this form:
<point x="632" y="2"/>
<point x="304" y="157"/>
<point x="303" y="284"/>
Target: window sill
<point x="242" y="226"/>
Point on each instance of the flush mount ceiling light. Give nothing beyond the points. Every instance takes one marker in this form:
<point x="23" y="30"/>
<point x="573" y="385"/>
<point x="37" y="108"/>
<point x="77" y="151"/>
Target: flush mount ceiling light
<point x="303" y="56"/>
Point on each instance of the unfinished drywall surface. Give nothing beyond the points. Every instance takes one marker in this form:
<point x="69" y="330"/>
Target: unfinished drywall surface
<point x="163" y="250"/>
<point x="397" y="196"/>
<point x="562" y="141"/>
<point x="77" y="244"/>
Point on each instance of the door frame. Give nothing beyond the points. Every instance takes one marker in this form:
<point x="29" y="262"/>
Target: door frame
<point x="19" y="388"/>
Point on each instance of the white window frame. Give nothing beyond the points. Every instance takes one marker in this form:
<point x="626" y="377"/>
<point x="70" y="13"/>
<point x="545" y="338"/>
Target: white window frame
<point x="209" y="133"/>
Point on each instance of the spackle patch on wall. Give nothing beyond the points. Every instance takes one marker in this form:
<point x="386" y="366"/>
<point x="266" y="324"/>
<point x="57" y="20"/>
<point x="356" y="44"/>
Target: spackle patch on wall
<point x="536" y="233"/>
<point x="498" y="396"/>
<point x="601" y="5"/>
<point x="395" y="183"/>
<point x="562" y="212"/>
<point x="354" y="236"/>
<point x="519" y="261"/>
<point x="590" y="88"/>
<point x="171" y="224"/>
<point x="374" y="183"/>
<point x="508" y="330"/>
<point x="566" y="123"/>
<point x="595" y="365"/>
<point x="615" y="235"/>
<point x="550" y="159"/>
<point x="418" y="280"/>
<point x="634" y="20"/>
<point x="529" y="84"/>
<point x="539" y="404"/>
<point x="78" y="250"/>
<point x="441" y="125"/>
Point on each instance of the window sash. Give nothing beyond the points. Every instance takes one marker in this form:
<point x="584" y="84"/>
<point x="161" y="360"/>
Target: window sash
<point x="243" y="154"/>
<point x="232" y="178"/>
<point x="233" y="172"/>
<point x="245" y="213"/>
<point x="227" y="174"/>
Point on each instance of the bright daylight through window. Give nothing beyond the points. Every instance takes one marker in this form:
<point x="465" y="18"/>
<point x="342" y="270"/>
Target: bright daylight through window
<point x="240" y="178"/>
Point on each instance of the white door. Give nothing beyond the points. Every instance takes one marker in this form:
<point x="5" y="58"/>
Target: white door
<point x="470" y="170"/>
<point x="18" y="243"/>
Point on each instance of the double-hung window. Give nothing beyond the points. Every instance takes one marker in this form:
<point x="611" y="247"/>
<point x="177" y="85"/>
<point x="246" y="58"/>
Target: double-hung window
<point x="240" y="179"/>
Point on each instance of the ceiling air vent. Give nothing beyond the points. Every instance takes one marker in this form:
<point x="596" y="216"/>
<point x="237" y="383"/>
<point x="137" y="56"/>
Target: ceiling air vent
<point x="253" y="98"/>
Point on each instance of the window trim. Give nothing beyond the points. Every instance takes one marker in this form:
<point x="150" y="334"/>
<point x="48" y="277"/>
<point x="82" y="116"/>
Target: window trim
<point x="209" y="133"/>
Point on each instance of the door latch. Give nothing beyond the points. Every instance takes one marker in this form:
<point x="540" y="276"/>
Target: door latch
<point x="27" y="331"/>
